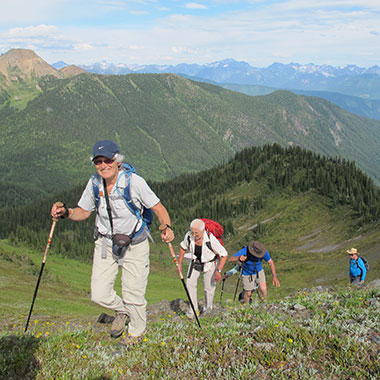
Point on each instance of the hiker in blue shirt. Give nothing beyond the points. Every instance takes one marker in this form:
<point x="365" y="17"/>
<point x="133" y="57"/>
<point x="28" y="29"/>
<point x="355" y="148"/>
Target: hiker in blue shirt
<point x="252" y="269"/>
<point x="358" y="270"/>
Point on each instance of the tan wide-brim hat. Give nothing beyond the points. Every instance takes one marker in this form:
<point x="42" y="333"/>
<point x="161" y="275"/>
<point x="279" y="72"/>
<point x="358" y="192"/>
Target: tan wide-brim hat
<point x="352" y="251"/>
<point x="256" y="249"/>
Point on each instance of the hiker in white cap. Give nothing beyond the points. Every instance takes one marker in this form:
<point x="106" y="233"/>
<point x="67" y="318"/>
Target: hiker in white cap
<point x="122" y="201"/>
<point x="358" y="270"/>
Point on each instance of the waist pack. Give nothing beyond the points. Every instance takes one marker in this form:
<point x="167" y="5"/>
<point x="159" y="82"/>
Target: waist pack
<point x="120" y="243"/>
<point x="197" y="265"/>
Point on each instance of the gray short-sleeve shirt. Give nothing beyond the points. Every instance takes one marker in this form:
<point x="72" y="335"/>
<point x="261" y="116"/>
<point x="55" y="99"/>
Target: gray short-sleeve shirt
<point x="124" y="220"/>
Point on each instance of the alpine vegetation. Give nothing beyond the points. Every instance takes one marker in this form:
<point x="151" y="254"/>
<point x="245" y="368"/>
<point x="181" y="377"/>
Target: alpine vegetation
<point x="318" y="333"/>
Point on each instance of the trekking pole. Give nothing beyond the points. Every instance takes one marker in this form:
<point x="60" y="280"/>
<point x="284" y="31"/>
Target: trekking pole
<point x="183" y="283"/>
<point x="237" y="284"/>
<point x="42" y="266"/>
<point x="182" y="279"/>
<point x="221" y="292"/>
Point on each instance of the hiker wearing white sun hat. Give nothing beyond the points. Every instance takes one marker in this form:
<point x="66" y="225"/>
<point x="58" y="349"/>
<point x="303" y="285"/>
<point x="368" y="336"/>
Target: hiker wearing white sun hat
<point x="358" y="268"/>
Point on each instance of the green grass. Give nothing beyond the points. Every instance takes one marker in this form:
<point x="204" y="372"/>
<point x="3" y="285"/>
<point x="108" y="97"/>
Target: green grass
<point x="21" y="94"/>
<point x="330" y="339"/>
<point x="64" y="289"/>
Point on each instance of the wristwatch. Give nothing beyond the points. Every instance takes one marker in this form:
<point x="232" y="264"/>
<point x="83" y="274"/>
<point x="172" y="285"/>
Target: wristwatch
<point x="219" y="270"/>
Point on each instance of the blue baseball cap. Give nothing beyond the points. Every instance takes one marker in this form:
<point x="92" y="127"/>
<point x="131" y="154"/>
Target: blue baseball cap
<point x="105" y="148"/>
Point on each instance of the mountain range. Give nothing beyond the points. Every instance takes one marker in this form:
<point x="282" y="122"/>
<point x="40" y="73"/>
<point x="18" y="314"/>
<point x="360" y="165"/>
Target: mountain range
<point x="166" y="125"/>
<point x="349" y="80"/>
<point x="353" y="88"/>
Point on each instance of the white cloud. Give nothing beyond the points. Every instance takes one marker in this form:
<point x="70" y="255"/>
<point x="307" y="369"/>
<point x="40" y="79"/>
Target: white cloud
<point x="32" y="31"/>
<point x="136" y="47"/>
<point x="258" y="31"/>
<point x="83" y="46"/>
<point x="138" y="13"/>
<point x="195" y="6"/>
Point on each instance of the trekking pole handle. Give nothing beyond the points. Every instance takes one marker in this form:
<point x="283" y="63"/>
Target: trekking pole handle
<point x="55" y="220"/>
<point x="163" y="228"/>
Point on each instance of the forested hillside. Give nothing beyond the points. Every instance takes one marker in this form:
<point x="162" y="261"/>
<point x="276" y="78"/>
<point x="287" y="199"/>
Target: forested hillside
<point x="290" y="186"/>
<point x="166" y="125"/>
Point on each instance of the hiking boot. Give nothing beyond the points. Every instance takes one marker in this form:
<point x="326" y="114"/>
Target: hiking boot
<point x="118" y="325"/>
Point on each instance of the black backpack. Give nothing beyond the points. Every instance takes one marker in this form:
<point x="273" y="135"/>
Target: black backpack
<point x="365" y="262"/>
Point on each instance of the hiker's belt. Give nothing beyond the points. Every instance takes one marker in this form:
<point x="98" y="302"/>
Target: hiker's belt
<point x="193" y="262"/>
<point x="135" y="240"/>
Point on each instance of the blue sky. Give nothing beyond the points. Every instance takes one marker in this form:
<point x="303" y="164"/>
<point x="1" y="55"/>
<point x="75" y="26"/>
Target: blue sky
<point x="260" y="32"/>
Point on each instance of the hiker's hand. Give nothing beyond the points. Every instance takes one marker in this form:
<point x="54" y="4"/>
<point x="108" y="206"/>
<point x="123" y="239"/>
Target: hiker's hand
<point x="276" y="282"/>
<point x="242" y="258"/>
<point x="167" y="234"/>
<point x="58" y="210"/>
<point x="218" y="276"/>
<point x="179" y="269"/>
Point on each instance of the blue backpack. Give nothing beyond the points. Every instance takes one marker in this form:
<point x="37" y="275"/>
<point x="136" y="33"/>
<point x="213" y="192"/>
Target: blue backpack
<point x="147" y="214"/>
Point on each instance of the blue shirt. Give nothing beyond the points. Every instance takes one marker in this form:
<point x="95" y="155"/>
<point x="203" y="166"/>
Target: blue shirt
<point x="253" y="264"/>
<point x="357" y="268"/>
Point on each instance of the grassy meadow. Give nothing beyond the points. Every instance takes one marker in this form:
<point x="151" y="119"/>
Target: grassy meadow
<point x="315" y="334"/>
<point x="313" y="327"/>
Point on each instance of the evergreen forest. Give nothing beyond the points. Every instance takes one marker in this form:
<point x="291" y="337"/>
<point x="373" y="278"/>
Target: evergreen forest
<point x="216" y="194"/>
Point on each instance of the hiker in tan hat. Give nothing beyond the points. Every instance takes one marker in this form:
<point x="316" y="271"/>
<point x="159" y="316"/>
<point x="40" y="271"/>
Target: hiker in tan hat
<point x="358" y="268"/>
<point x="252" y="271"/>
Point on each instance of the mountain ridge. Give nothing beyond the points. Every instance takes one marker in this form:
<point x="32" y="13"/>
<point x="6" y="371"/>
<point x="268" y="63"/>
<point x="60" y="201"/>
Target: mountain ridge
<point x="18" y="65"/>
<point x="190" y="126"/>
<point x="278" y="75"/>
<point x="176" y="126"/>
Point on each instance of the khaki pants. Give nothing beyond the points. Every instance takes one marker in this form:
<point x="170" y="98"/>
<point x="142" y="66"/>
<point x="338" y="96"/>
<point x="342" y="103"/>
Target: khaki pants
<point x="208" y="285"/>
<point x="134" y="279"/>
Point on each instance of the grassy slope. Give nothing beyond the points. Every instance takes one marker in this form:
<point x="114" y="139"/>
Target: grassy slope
<point x="306" y="240"/>
<point x="330" y="339"/>
<point x="334" y="337"/>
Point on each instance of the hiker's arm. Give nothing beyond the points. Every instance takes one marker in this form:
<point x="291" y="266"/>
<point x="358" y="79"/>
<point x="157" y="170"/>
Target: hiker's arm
<point x="231" y="272"/>
<point x="218" y="275"/>
<point x="276" y="282"/>
<point x="76" y="213"/>
<point x="240" y="258"/>
<point x="363" y="271"/>
<point x="180" y="258"/>
<point x="167" y="234"/>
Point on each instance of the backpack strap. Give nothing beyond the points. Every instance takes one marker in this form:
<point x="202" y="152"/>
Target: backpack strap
<point x="127" y="170"/>
<point x="109" y="211"/>
<point x="96" y="188"/>
<point x="128" y="199"/>
<point x="208" y="245"/>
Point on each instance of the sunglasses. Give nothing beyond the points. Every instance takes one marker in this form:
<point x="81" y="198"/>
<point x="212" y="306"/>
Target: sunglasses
<point x="99" y="161"/>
